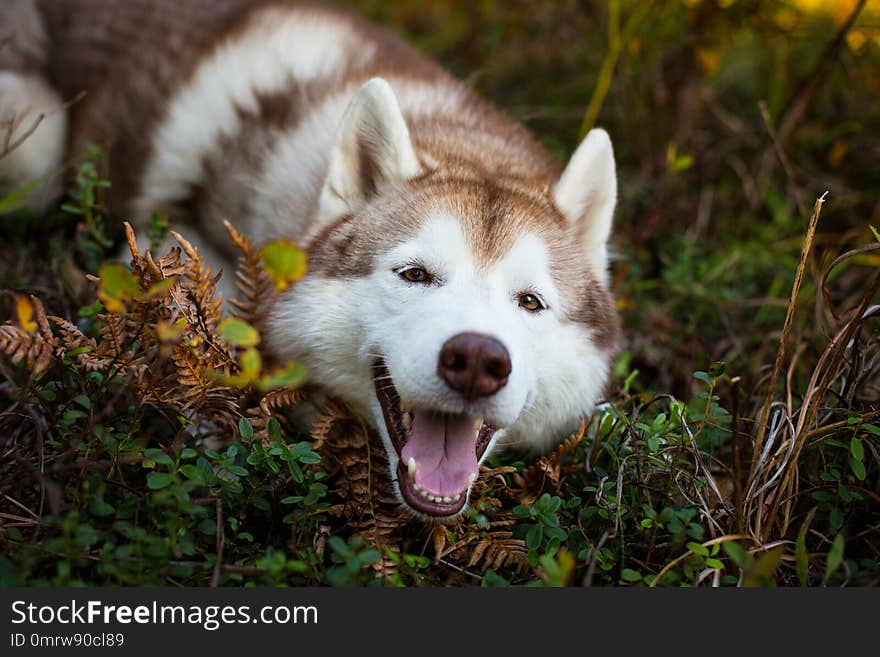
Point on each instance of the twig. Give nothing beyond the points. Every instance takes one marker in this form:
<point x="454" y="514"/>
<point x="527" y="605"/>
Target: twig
<point x="617" y="39"/>
<point x="9" y="145"/>
<point x="786" y="329"/>
<point x="221" y="539"/>
<point x="677" y="560"/>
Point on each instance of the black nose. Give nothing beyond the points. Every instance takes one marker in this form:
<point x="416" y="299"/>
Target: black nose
<point x="473" y="364"/>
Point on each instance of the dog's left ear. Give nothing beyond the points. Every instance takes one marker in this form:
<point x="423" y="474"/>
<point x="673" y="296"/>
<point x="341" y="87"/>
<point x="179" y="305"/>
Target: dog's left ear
<point x="373" y="149"/>
<point x="586" y="193"/>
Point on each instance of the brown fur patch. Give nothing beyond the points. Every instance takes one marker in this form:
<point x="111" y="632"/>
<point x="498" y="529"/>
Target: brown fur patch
<point x="219" y="196"/>
<point x="129" y="58"/>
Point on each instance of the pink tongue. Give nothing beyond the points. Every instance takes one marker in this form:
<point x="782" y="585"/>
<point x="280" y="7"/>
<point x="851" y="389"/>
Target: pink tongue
<point x="444" y="447"/>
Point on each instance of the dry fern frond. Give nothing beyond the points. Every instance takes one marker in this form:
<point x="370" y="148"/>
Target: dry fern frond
<point x="354" y="459"/>
<point x="488" y="547"/>
<point x="32" y="343"/>
<point x="499" y="549"/>
<point x="546" y="473"/>
<point x="30" y="348"/>
<point x="251" y="281"/>
<point x="282" y="399"/>
<point x="333" y="412"/>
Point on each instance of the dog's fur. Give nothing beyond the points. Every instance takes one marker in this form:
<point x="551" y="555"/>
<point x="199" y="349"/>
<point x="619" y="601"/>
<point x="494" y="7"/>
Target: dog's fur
<point x="305" y="122"/>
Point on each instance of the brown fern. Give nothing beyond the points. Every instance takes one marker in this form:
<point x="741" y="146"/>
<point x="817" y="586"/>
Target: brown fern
<point x="251" y="281"/>
<point x="546" y="474"/>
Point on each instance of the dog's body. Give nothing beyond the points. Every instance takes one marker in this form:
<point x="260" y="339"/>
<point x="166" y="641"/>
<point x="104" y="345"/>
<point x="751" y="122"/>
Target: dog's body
<point x="457" y="293"/>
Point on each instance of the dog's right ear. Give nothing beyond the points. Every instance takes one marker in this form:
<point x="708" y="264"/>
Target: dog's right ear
<point x="586" y="193"/>
<point x="373" y="149"/>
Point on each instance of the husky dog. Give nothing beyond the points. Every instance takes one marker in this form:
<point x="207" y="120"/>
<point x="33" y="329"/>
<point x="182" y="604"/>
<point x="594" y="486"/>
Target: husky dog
<point x="457" y="294"/>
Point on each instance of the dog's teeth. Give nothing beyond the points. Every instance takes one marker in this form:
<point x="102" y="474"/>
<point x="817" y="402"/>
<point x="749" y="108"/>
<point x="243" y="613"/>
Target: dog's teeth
<point x="446" y="499"/>
<point x="457" y="497"/>
<point x="405" y="407"/>
<point x="478" y="423"/>
<point x="472" y="477"/>
<point x="418" y="488"/>
<point x="411" y="466"/>
<point x="407" y="420"/>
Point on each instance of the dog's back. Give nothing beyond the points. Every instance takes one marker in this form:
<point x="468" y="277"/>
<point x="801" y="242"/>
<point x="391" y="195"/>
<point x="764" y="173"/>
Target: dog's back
<point x="227" y="108"/>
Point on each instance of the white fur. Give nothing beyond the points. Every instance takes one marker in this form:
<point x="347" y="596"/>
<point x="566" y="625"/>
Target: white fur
<point x="297" y="166"/>
<point x="373" y="121"/>
<point x="23" y="99"/>
<point x="586" y="193"/>
<point x="279" y="46"/>
<point x="337" y="328"/>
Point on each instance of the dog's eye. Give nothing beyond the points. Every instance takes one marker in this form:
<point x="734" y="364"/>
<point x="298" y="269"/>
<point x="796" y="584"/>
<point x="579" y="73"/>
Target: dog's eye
<point x="415" y="275"/>
<point x="530" y="302"/>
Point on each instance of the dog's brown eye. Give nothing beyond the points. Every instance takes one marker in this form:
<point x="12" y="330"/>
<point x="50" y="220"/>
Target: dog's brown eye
<point x="530" y="302"/>
<point x="416" y="275"/>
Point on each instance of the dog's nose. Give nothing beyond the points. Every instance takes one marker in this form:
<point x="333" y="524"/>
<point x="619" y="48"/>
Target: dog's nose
<point x="473" y="364"/>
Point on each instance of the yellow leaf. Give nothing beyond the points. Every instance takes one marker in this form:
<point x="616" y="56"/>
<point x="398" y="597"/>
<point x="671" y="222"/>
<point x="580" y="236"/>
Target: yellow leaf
<point x="238" y="332"/>
<point x="284" y="261"/>
<point x="117" y="286"/>
<point x="25" y="311"/>
<point x="709" y="59"/>
<point x="250" y="364"/>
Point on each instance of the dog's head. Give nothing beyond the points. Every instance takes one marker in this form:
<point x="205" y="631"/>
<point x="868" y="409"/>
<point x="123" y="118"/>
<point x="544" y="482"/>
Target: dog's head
<point x="456" y="311"/>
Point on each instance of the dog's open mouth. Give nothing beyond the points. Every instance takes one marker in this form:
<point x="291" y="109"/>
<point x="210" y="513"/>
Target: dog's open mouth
<point x="438" y="452"/>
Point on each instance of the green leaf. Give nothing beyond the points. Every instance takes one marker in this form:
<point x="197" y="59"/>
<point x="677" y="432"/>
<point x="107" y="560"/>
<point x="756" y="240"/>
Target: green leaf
<point x="834" y="558"/>
<point x="535" y="536"/>
<point x="491" y="579"/>
<point x="704" y="377"/>
<point x="737" y="554"/>
<point x="295" y="471"/>
<point x="800" y="550"/>
<point x="246" y="429"/>
<point x="238" y="332"/>
<point x="835" y="518"/>
<point x="158" y="480"/>
<point x="369" y="557"/>
<point x="858" y="469"/>
<point x="683" y="162"/>
<point x="629" y="575"/>
<point x="876" y="234"/>
<point x="761" y="572"/>
<point x="289" y="377"/>
<point x="159" y="288"/>
<point x="192" y="473"/>
<point x="284" y="261"/>
<point x="698" y="549"/>
<point x="855" y="448"/>
<point x="273" y="428"/>
<point x="117" y="286"/>
<point x="250" y="364"/>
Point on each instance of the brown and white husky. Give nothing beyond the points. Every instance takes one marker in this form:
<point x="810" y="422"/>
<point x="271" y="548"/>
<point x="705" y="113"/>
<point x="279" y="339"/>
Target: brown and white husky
<point x="457" y="294"/>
